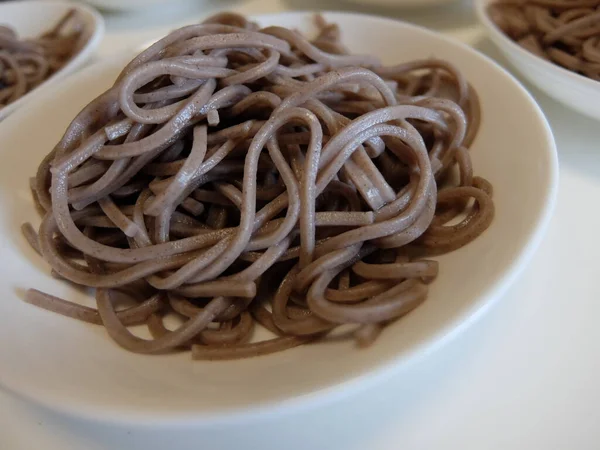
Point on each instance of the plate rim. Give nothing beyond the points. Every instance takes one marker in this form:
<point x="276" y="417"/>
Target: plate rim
<point x="386" y="369"/>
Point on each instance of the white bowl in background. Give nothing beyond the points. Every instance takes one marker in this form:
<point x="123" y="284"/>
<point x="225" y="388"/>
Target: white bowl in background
<point x="32" y="18"/>
<point x="77" y="369"/>
<point x="573" y="90"/>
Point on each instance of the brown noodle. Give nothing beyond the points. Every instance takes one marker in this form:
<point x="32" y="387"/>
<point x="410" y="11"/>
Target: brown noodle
<point x="566" y="32"/>
<point x="236" y="176"/>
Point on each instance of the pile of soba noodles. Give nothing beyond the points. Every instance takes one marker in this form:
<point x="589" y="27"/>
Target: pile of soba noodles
<point x="26" y="63"/>
<point x="566" y="32"/>
<point x="235" y="176"/>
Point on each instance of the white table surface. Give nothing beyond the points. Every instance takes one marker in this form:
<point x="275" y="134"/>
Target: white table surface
<point x="526" y="376"/>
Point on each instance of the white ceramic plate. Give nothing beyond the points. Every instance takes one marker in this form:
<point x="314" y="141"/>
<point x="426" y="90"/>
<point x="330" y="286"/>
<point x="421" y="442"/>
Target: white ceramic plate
<point x="573" y="90"/>
<point x="77" y="369"/>
<point x="32" y="18"/>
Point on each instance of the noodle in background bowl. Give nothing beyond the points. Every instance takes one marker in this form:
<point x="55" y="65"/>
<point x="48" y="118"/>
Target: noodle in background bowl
<point x="75" y="368"/>
<point x="573" y="90"/>
<point x="32" y="18"/>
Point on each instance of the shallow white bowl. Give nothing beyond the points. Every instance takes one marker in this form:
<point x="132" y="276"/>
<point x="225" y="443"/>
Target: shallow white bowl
<point x="573" y="90"/>
<point x="32" y="18"/>
<point x="76" y="368"/>
<point x="126" y="5"/>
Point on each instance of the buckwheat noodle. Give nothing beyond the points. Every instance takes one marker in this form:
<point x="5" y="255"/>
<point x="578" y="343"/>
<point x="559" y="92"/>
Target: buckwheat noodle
<point x="566" y="32"/>
<point x="26" y="63"/>
<point x="235" y="176"/>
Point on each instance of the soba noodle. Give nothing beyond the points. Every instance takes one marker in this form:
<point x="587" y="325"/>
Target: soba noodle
<point x="235" y="176"/>
<point x="565" y="32"/>
<point x="25" y="64"/>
